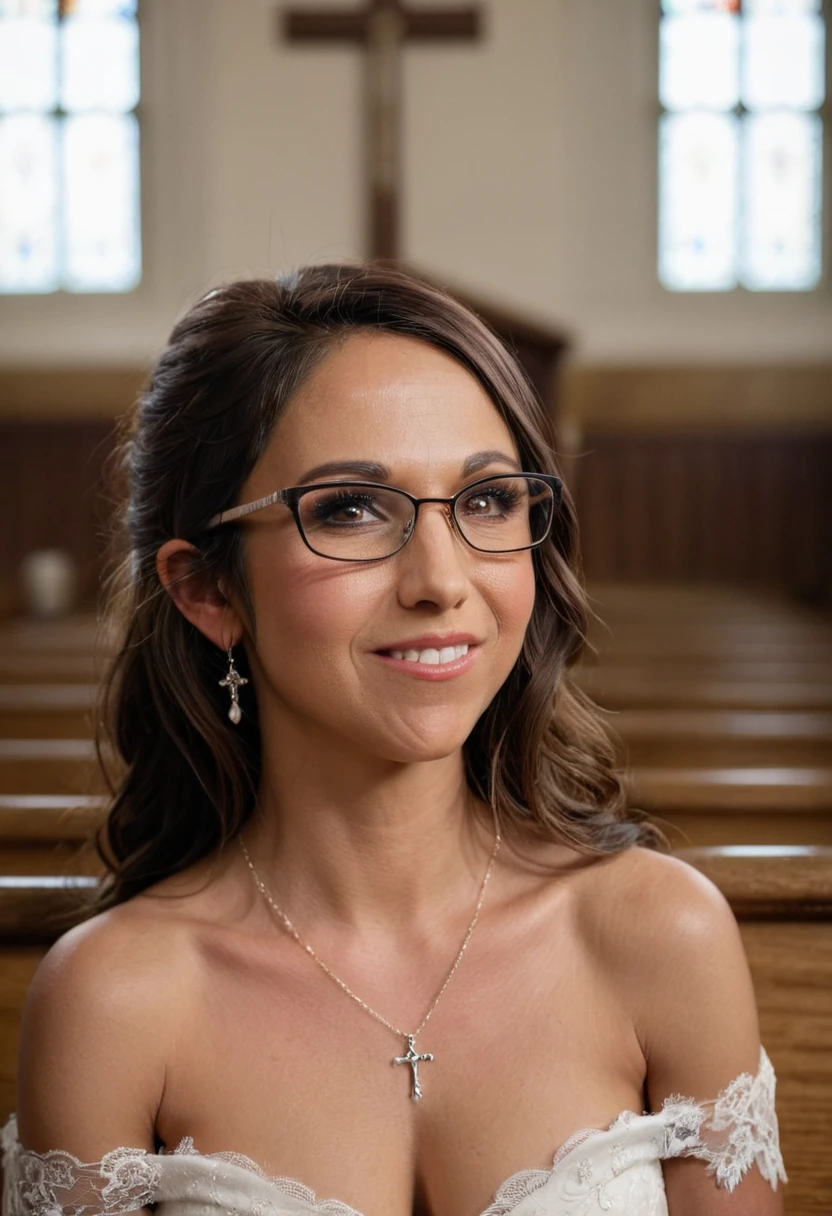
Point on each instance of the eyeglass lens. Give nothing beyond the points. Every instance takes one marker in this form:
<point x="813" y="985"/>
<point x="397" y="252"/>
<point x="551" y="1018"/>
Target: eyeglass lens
<point x="360" y="522"/>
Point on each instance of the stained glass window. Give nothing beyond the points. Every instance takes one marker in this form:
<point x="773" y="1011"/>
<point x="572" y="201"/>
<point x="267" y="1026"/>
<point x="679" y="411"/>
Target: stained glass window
<point x="69" y="146"/>
<point x="741" y="85"/>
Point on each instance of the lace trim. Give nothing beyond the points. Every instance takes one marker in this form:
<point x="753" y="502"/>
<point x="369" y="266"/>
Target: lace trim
<point x="60" y="1184"/>
<point x="732" y="1133"/>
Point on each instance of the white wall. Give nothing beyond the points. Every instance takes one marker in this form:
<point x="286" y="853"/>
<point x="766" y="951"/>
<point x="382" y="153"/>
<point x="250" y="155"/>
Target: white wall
<point x="530" y="179"/>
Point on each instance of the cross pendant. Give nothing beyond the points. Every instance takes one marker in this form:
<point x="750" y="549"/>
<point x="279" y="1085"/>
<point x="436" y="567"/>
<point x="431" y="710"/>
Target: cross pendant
<point x="413" y="1058"/>
<point x="233" y="682"/>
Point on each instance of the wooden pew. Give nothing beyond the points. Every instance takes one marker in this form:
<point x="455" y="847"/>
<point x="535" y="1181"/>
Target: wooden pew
<point x="782" y="898"/>
<point x="705" y="606"/>
<point x="26" y="668"/>
<point x="74" y="650"/>
<point x="707" y="647"/>
<point x="49" y="766"/>
<point x="705" y="624"/>
<point x="64" y="709"/>
<point x="47" y="711"/>
<point x="75" y="634"/>
<point x="41" y="834"/>
<point x="657" y="738"/>
<point x="693" y="805"/>
<point x="47" y="834"/>
<point x="730" y="806"/>
<point x="708" y="738"/>
<point x="728" y="667"/>
<point x="44" y="834"/>
<point x="643" y="686"/>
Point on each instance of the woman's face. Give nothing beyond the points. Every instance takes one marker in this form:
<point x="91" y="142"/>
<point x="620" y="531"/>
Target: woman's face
<point x="319" y="624"/>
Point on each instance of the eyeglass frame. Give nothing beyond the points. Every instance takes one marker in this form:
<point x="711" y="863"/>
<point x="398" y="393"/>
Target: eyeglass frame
<point x="289" y="496"/>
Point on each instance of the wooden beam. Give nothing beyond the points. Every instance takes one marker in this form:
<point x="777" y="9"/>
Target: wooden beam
<point x="425" y="25"/>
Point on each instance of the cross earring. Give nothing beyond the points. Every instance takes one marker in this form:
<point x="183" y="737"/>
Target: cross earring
<point x="233" y="681"/>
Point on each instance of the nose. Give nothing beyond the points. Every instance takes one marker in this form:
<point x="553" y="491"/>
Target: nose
<point x="432" y="564"/>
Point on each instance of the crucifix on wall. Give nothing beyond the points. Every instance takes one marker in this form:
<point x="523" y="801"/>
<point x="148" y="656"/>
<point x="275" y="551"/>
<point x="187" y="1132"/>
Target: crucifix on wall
<point x="381" y="27"/>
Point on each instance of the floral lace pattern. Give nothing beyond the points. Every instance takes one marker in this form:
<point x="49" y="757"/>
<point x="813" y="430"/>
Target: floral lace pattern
<point x="732" y="1133"/>
<point x="617" y="1169"/>
<point x="58" y="1184"/>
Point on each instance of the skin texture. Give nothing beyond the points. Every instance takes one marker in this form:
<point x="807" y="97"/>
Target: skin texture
<point x="585" y="990"/>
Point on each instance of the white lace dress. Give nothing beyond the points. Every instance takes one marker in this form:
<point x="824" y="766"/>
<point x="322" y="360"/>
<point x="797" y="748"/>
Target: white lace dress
<point x="613" y="1170"/>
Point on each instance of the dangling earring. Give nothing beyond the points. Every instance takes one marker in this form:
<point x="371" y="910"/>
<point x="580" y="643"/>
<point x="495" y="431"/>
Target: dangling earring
<point x="233" y="682"/>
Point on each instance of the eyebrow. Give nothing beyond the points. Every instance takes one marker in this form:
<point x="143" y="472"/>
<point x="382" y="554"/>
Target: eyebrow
<point x="373" y="471"/>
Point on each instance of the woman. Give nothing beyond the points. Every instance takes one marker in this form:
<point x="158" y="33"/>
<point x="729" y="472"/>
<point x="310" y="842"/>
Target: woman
<point x="376" y="917"/>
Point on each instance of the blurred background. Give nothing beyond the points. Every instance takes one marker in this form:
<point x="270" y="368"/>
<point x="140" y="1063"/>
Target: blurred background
<point x="647" y="183"/>
<point x="637" y="195"/>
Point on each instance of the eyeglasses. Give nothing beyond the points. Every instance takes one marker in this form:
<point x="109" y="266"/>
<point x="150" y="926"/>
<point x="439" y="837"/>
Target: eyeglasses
<point x="362" y="521"/>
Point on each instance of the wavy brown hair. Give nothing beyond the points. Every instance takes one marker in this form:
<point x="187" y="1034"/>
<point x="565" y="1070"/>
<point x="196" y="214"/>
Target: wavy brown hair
<point x="182" y="782"/>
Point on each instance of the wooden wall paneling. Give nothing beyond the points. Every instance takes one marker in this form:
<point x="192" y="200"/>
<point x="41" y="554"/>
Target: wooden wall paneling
<point x="51" y="482"/>
<point x="720" y="507"/>
<point x="714" y="474"/>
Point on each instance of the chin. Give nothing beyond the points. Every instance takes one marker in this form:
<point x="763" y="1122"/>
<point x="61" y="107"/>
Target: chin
<point x="425" y="749"/>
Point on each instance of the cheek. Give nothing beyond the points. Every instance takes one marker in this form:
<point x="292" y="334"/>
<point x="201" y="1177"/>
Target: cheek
<point x="512" y="593"/>
<point x="307" y="607"/>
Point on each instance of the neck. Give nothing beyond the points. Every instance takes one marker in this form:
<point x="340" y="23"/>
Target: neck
<point x="380" y="850"/>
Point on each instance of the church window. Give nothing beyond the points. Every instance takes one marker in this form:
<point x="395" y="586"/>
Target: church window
<point x="69" y="146"/>
<point x="741" y="86"/>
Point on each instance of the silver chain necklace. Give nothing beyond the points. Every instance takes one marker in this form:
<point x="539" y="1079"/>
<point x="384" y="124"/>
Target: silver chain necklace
<point x="411" y="1056"/>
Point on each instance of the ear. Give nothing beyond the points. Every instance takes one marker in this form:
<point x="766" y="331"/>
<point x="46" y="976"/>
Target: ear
<point x="197" y="593"/>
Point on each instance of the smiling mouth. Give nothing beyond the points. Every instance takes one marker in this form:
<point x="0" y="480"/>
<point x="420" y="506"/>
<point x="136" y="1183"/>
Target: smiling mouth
<point x="430" y="657"/>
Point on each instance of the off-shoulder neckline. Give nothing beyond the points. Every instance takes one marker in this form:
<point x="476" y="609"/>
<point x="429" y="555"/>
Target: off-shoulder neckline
<point x="298" y="1189"/>
<point x="336" y="1207"/>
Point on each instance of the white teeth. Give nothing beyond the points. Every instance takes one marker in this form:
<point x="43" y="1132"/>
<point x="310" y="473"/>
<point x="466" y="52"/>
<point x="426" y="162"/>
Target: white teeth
<point x="432" y="657"/>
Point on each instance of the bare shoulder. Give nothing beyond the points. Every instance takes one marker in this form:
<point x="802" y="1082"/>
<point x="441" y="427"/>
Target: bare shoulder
<point x="100" y="1015"/>
<point x="669" y="941"/>
<point x="111" y="953"/>
<point x="641" y="901"/>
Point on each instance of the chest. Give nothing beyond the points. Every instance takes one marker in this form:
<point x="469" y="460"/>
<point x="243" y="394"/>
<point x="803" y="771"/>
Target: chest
<point x="280" y="1064"/>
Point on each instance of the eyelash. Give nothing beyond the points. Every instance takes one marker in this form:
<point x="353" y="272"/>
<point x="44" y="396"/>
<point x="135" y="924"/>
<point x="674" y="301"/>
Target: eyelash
<point x="342" y="498"/>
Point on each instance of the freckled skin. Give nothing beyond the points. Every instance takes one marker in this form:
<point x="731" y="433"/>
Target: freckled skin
<point x="416" y="410"/>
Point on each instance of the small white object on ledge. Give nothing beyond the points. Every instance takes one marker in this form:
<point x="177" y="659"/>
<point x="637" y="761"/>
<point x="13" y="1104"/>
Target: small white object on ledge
<point x="48" y="581"/>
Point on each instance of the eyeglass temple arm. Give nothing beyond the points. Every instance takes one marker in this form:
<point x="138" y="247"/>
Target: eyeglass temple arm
<point x="225" y="517"/>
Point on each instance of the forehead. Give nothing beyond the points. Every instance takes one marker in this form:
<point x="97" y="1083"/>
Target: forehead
<point x="389" y="398"/>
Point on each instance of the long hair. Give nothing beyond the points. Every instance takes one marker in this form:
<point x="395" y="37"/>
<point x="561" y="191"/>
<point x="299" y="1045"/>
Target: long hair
<point x="182" y="782"/>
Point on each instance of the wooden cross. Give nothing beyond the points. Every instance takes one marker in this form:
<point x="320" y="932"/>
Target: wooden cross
<point x="413" y="1058"/>
<point x="382" y="26"/>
